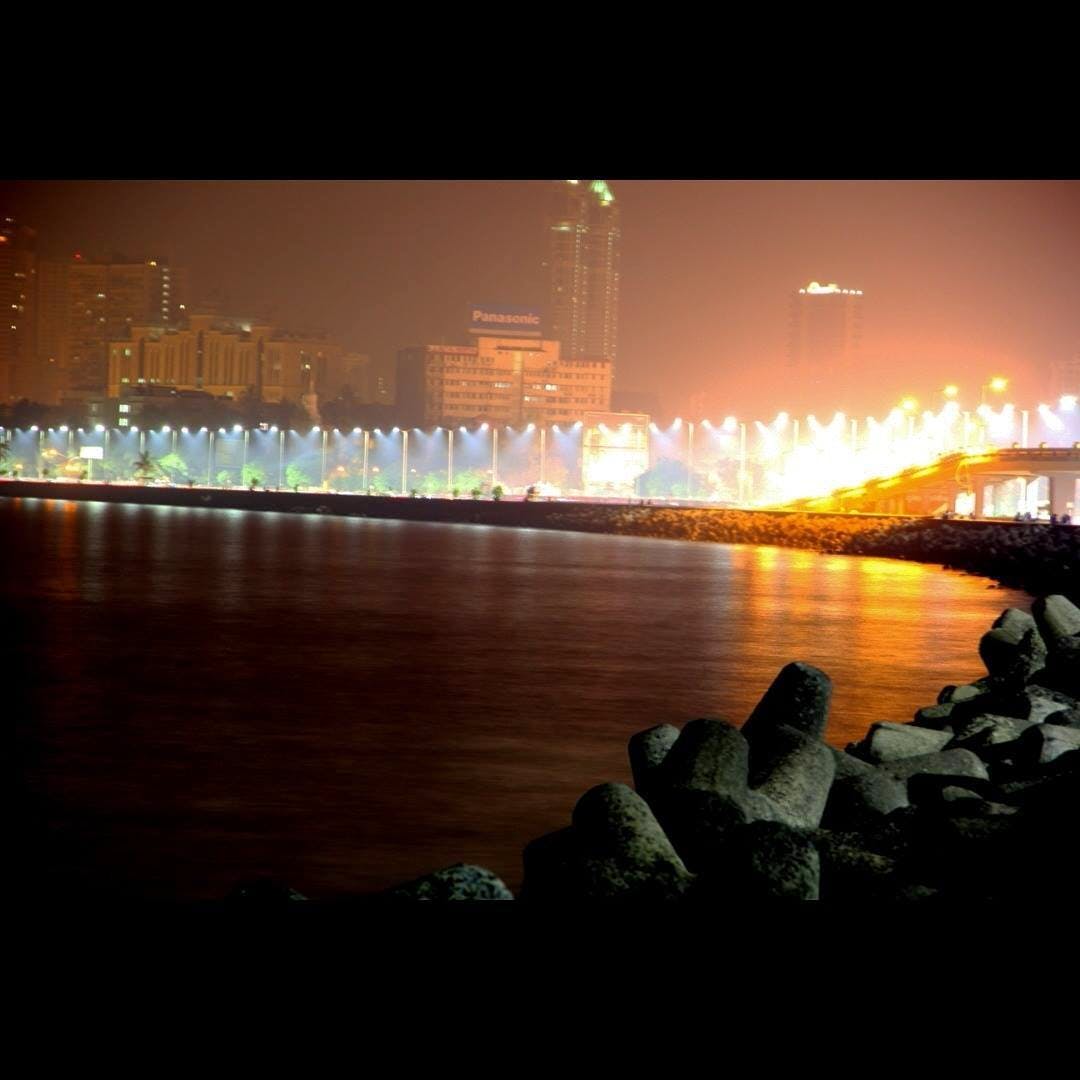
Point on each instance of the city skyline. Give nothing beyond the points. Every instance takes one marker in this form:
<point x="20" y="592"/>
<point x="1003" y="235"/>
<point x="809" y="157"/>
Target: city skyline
<point x="962" y="279"/>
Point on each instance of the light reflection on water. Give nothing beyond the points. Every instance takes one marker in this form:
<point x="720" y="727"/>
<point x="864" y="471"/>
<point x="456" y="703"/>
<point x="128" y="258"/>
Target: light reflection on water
<point x="345" y="704"/>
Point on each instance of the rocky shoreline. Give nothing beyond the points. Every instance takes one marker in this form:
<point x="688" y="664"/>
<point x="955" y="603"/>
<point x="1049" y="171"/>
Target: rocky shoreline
<point x="1035" y="557"/>
<point x="977" y="797"/>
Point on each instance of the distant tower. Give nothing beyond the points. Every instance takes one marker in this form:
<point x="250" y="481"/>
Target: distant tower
<point x="18" y="295"/>
<point x="584" y="265"/>
<point x="824" y="340"/>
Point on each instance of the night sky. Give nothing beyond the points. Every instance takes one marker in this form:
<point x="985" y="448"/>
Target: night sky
<point x="962" y="279"/>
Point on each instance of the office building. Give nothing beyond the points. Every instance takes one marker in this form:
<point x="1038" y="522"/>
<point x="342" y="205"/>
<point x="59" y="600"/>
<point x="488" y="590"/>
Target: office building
<point x="824" y="342"/>
<point x="499" y="380"/>
<point x="583" y="264"/>
<point x="226" y="358"/>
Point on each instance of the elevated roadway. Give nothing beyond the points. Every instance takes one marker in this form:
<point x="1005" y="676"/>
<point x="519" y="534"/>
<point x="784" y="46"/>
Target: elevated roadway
<point x="988" y="483"/>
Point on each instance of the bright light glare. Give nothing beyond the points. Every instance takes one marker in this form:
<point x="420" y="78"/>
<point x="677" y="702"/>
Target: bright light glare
<point x="1067" y="403"/>
<point x="951" y="391"/>
<point x="998" y="384"/>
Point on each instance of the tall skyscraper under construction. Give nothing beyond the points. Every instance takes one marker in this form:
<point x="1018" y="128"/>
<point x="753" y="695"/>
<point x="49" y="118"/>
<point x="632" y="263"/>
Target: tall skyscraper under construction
<point x="583" y="261"/>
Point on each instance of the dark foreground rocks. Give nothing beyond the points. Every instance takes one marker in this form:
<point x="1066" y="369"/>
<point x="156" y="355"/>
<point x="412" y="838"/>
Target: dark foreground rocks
<point x="977" y="798"/>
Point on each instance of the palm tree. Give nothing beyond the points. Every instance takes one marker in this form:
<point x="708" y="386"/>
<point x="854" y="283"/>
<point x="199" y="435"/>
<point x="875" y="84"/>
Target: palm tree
<point x="144" y="467"/>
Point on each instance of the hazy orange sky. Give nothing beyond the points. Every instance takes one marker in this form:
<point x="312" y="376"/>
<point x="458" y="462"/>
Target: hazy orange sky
<point x="962" y="279"/>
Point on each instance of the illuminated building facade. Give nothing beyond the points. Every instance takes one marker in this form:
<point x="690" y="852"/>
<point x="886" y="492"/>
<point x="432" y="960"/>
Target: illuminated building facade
<point x="614" y="453"/>
<point x="824" y="341"/>
<point x="18" y="267"/>
<point x="583" y="262"/>
<point x="226" y="358"/>
<point x="83" y="304"/>
<point x="499" y="380"/>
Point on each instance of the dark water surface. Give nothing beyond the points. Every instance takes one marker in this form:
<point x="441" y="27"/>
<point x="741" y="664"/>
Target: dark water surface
<point x="209" y="695"/>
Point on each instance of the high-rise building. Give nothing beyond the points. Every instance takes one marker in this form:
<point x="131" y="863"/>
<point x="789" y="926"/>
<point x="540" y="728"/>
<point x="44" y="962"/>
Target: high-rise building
<point x="84" y="304"/>
<point x="107" y="300"/>
<point x="583" y="261"/>
<point x="499" y="380"/>
<point x="825" y="339"/>
<point x="18" y="294"/>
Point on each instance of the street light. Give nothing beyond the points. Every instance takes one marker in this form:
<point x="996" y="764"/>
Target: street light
<point x="690" y="459"/>
<point x="998" y="384"/>
<point x="450" y="459"/>
<point x="742" y="464"/>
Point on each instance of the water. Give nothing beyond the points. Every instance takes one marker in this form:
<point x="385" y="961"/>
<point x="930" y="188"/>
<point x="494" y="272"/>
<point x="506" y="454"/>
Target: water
<point x="345" y="704"/>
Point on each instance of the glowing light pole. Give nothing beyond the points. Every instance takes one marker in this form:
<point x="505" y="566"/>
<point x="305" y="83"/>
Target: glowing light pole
<point x="690" y="459"/>
<point x="367" y="443"/>
<point x="244" y="455"/>
<point x="494" y="455"/>
<point x="543" y="453"/>
<point x="404" y="460"/>
<point x="450" y="459"/>
<point x="210" y="458"/>
<point x="322" y="467"/>
<point x="742" y="464"/>
<point x="281" y="459"/>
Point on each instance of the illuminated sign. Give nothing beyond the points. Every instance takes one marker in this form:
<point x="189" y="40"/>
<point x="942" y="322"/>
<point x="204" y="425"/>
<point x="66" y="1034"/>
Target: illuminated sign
<point x="95" y="452"/>
<point x="504" y="322"/>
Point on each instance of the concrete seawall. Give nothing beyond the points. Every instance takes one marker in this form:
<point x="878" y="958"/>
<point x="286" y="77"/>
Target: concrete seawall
<point x="1033" y="556"/>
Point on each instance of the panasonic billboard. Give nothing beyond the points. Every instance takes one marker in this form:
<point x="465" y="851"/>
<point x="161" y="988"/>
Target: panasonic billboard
<point x="491" y="321"/>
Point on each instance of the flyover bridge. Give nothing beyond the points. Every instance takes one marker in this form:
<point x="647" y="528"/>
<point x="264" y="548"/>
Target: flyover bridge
<point x="987" y="483"/>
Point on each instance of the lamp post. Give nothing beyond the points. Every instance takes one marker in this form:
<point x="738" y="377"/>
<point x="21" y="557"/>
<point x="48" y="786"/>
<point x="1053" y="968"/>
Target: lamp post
<point x="494" y="455"/>
<point x="690" y="459"/>
<point x="404" y="460"/>
<point x="543" y="454"/>
<point x="742" y="464"/>
<point x="244" y="456"/>
<point x="322" y="466"/>
<point x="367" y="443"/>
<point x="281" y="459"/>
<point x="450" y="459"/>
<point x="210" y="458"/>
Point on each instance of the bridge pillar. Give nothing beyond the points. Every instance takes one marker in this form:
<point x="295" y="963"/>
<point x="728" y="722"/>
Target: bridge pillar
<point x="1063" y="493"/>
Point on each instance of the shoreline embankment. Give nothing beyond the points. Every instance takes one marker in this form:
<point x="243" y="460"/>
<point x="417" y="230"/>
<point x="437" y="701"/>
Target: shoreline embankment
<point x="1033" y="556"/>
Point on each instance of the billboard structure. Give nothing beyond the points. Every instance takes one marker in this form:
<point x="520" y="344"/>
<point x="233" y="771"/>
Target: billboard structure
<point x="614" y="453"/>
<point x="491" y="321"/>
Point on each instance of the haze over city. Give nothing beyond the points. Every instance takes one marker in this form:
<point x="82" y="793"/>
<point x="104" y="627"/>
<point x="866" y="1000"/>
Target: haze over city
<point x="558" y="540"/>
<point x="961" y="279"/>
